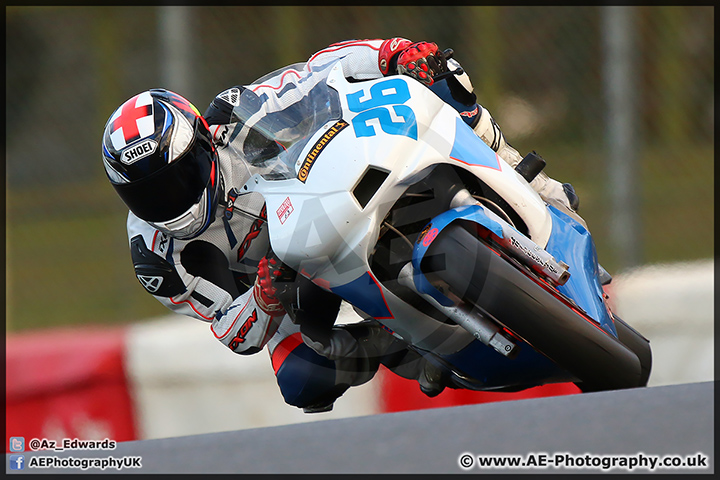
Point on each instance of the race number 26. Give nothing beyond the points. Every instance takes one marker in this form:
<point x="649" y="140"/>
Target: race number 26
<point x="382" y="96"/>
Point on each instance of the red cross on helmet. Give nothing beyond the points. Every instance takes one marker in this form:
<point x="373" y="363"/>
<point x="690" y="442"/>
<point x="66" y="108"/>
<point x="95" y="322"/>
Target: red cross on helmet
<point x="158" y="154"/>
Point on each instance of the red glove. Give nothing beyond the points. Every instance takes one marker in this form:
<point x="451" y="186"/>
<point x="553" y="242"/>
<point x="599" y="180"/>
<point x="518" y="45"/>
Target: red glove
<point x="422" y="61"/>
<point x="389" y="51"/>
<point x="264" y="290"/>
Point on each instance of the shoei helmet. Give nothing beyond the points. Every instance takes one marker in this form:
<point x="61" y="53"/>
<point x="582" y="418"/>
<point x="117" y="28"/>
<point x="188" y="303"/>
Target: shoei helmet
<point x="159" y="156"/>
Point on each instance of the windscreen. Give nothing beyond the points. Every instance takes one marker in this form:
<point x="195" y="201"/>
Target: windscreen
<point x="278" y="114"/>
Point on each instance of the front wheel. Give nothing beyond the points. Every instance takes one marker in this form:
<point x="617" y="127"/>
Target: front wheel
<point x="511" y="295"/>
<point x="636" y="342"/>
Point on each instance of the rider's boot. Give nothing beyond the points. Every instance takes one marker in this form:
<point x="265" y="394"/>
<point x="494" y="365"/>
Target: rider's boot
<point x="356" y="349"/>
<point x="431" y="379"/>
<point x="413" y="366"/>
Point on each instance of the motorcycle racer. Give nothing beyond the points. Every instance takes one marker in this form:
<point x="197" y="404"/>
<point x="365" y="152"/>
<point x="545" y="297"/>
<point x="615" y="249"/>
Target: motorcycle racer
<point x="201" y="247"/>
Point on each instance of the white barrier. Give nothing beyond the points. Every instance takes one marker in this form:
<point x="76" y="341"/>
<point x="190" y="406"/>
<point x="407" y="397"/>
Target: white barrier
<point x="673" y="306"/>
<point x="185" y="382"/>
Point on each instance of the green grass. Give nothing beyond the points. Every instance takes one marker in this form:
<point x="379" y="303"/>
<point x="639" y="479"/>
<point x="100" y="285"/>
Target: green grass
<point x="72" y="272"/>
<point x="65" y="269"/>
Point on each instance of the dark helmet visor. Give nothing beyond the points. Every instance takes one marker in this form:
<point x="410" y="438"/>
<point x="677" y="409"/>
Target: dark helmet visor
<point x="172" y="190"/>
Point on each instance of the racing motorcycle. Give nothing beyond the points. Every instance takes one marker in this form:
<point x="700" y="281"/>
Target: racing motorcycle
<point x="384" y="196"/>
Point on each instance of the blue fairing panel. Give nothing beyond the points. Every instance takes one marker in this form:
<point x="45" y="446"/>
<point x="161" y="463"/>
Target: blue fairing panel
<point x="569" y="242"/>
<point x="469" y="148"/>
<point x="365" y="293"/>
<point x="493" y="370"/>
<point x="573" y="244"/>
<point x="474" y="213"/>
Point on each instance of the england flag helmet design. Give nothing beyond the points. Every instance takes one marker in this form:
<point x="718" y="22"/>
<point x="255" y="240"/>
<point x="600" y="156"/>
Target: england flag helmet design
<point x="158" y="154"/>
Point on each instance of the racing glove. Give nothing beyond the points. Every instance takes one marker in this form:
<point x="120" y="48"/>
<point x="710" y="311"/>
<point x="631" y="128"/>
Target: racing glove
<point x="388" y="55"/>
<point x="265" y="291"/>
<point x="420" y="60"/>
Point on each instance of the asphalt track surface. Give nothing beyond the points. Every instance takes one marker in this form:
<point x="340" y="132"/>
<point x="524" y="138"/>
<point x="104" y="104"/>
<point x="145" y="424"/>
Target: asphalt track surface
<point x="675" y="420"/>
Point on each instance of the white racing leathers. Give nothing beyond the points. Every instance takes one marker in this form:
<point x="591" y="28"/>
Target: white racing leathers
<point x="210" y="277"/>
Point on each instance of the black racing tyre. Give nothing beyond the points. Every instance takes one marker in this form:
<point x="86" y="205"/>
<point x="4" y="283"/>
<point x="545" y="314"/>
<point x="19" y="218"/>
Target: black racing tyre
<point x="636" y="342"/>
<point x="512" y="296"/>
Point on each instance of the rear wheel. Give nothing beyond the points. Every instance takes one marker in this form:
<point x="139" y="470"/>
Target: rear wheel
<point x="512" y="296"/>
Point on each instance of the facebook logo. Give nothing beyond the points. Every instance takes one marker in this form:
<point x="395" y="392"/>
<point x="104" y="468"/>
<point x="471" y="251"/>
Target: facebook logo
<point x="17" y="462"/>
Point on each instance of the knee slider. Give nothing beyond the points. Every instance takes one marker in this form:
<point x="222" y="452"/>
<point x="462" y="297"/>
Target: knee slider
<point x="306" y="378"/>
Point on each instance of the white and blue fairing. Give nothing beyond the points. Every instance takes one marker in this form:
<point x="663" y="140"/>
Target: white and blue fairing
<point x="339" y="131"/>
